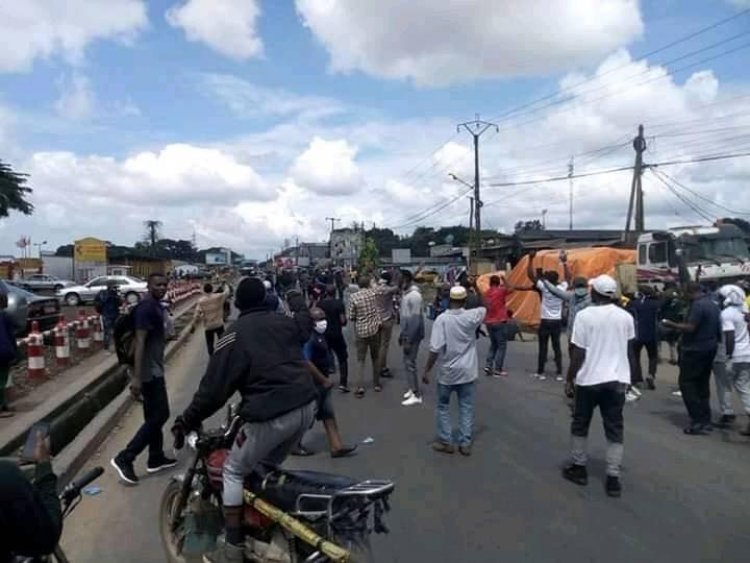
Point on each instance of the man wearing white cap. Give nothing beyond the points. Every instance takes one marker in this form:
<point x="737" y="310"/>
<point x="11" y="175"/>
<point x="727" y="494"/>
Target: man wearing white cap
<point x="737" y="345"/>
<point x="601" y="362"/>
<point x="453" y="347"/>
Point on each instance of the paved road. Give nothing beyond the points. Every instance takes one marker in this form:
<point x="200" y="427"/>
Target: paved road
<point x="685" y="499"/>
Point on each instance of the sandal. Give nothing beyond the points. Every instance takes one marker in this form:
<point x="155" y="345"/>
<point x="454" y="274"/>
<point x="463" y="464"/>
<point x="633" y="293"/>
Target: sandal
<point x="359" y="393"/>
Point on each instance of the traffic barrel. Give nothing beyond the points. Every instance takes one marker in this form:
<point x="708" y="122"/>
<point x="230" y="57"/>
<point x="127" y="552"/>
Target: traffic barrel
<point x="96" y="321"/>
<point x="62" y="343"/>
<point x="83" y="336"/>
<point x="35" y="354"/>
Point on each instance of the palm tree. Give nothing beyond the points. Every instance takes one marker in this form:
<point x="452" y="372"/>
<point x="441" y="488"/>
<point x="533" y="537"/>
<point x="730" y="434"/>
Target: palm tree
<point x="13" y="192"/>
<point x="152" y="232"/>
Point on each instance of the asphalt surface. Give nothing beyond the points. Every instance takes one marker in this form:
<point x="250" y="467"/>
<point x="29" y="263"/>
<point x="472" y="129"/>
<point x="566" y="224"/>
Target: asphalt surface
<point x="685" y="499"/>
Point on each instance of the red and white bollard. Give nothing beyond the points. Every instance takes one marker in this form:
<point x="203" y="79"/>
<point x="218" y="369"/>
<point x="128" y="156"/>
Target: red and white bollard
<point x="62" y="343"/>
<point x="83" y="336"/>
<point x="96" y="321"/>
<point x="35" y="354"/>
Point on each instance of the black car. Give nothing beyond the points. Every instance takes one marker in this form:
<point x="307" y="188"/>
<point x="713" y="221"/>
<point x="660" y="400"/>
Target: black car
<point x="25" y="307"/>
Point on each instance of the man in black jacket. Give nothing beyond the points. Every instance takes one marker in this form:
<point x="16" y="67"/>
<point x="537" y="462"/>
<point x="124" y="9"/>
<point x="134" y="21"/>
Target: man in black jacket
<point x="261" y="358"/>
<point x="30" y="513"/>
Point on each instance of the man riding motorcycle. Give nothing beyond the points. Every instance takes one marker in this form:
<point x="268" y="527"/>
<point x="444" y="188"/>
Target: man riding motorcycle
<point x="261" y="358"/>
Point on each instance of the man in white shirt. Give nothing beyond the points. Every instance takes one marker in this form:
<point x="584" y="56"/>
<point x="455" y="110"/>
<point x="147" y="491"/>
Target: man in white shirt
<point x="602" y="359"/>
<point x="453" y="347"/>
<point x="737" y="343"/>
<point x="550" y="325"/>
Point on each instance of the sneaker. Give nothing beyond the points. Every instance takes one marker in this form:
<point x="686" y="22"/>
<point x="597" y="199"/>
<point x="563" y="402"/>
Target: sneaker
<point x="635" y="391"/>
<point x="677" y="393"/>
<point x="408" y="394"/>
<point x="541" y="377"/>
<point x="413" y="400"/>
<point x="442" y="447"/>
<point x="465" y="449"/>
<point x="576" y="474"/>
<point x="631" y="397"/>
<point x="650" y="383"/>
<point x="344" y="389"/>
<point x="160" y="464"/>
<point x="559" y="378"/>
<point x="613" y="486"/>
<point x="124" y="470"/>
<point x="499" y="373"/>
<point x="386" y="373"/>
<point x="488" y="371"/>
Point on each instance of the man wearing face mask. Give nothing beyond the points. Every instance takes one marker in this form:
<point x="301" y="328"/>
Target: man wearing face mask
<point x="318" y="357"/>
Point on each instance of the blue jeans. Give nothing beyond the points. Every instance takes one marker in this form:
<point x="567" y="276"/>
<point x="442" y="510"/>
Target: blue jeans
<point x="465" y="392"/>
<point x="498" y="346"/>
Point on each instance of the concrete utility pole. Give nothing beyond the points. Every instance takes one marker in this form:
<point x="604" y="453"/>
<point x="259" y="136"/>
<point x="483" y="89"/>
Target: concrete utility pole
<point x="636" y="188"/>
<point x="570" y="188"/>
<point x="476" y="128"/>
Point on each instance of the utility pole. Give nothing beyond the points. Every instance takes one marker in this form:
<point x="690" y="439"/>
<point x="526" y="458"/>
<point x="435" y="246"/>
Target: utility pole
<point x="476" y="128"/>
<point x="471" y="224"/>
<point x="570" y="188"/>
<point x="636" y="187"/>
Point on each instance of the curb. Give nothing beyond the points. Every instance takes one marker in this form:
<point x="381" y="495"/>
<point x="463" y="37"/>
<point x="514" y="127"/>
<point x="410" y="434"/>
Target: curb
<point x="72" y="458"/>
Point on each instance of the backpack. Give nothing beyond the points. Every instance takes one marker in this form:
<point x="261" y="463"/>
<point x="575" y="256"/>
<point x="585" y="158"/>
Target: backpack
<point x="99" y="302"/>
<point x="123" y="333"/>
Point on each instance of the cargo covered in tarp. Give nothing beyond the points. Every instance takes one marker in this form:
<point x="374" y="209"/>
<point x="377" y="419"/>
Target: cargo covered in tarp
<point x="584" y="262"/>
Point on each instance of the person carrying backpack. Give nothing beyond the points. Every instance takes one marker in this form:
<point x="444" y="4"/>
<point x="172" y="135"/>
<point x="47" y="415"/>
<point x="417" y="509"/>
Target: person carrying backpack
<point x="107" y="304"/>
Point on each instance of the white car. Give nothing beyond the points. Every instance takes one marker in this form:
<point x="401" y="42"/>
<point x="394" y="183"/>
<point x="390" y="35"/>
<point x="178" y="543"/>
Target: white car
<point x="131" y="288"/>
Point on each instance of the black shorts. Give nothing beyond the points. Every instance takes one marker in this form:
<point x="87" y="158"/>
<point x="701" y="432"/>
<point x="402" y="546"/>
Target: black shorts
<point x="325" y="405"/>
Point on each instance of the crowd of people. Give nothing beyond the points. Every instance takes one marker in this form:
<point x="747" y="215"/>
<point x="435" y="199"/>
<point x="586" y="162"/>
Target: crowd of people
<point x="289" y="341"/>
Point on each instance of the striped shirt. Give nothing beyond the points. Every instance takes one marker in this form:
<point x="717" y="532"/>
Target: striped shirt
<point x="364" y="313"/>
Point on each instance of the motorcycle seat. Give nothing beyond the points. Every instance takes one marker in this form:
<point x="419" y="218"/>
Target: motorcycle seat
<point x="282" y="487"/>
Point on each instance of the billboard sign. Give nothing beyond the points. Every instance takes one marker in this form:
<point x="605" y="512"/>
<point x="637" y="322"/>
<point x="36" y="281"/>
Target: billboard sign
<point x="90" y="250"/>
<point x="216" y="259"/>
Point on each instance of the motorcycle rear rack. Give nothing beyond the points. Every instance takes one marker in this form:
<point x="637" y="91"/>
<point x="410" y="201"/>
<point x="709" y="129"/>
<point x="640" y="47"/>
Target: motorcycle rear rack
<point x="370" y="488"/>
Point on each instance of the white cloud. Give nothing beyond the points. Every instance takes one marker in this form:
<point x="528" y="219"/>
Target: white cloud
<point x="328" y="168"/>
<point x="249" y="100"/>
<point x="34" y="29"/>
<point x="227" y="26"/>
<point x="179" y="174"/>
<point x="435" y="42"/>
<point x="76" y="99"/>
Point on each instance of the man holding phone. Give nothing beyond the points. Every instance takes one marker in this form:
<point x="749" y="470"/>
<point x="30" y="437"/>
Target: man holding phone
<point x="30" y="513"/>
<point x="147" y="382"/>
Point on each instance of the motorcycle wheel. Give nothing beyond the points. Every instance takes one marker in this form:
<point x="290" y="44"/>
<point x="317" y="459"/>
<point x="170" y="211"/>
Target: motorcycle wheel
<point x="172" y="541"/>
<point x="360" y="549"/>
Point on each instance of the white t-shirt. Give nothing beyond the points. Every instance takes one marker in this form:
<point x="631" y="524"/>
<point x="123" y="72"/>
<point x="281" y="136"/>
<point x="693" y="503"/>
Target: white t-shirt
<point x="552" y="305"/>
<point x="604" y="332"/>
<point x="732" y="320"/>
<point x="454" y="339"/>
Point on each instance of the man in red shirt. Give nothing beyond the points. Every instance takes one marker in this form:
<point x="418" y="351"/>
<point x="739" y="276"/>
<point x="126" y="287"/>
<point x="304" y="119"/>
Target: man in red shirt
<point x="497" y="321"/>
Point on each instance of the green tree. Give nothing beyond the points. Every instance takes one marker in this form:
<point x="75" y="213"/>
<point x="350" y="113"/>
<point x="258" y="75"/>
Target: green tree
<point x="13" y="192"/>
<point x="369" y="257"/>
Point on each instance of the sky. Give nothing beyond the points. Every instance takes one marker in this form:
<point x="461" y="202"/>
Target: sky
<point x="245" y="123"/>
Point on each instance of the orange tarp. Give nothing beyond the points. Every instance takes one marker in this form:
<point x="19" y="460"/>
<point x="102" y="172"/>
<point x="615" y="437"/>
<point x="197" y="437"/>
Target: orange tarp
<point x="585" y="262"/>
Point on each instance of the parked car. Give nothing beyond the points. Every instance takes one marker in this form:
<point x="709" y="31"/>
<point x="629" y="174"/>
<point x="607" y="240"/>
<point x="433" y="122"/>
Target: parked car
<point x="38" y="282"/>
<point x="24" y="307"/>
<point x="130" y="287"/>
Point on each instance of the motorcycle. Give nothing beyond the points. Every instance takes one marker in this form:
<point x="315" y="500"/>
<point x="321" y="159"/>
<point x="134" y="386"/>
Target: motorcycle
<point x="289" y="516"/>
<point x="70" y="497"/>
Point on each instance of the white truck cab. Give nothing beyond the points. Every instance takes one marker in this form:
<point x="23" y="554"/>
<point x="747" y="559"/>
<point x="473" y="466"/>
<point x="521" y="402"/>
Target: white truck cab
<point x="709" y="253"/>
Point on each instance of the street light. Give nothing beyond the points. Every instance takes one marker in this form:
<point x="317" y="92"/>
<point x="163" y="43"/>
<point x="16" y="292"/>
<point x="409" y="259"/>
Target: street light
<point x="39" y="246"/>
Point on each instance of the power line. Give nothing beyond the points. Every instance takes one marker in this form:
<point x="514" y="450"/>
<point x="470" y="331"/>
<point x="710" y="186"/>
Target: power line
<point x="643" y="58"/>
<point x="699" y="195"/>
<point x="684" y="200"/>
<point x="431" y="213"/>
